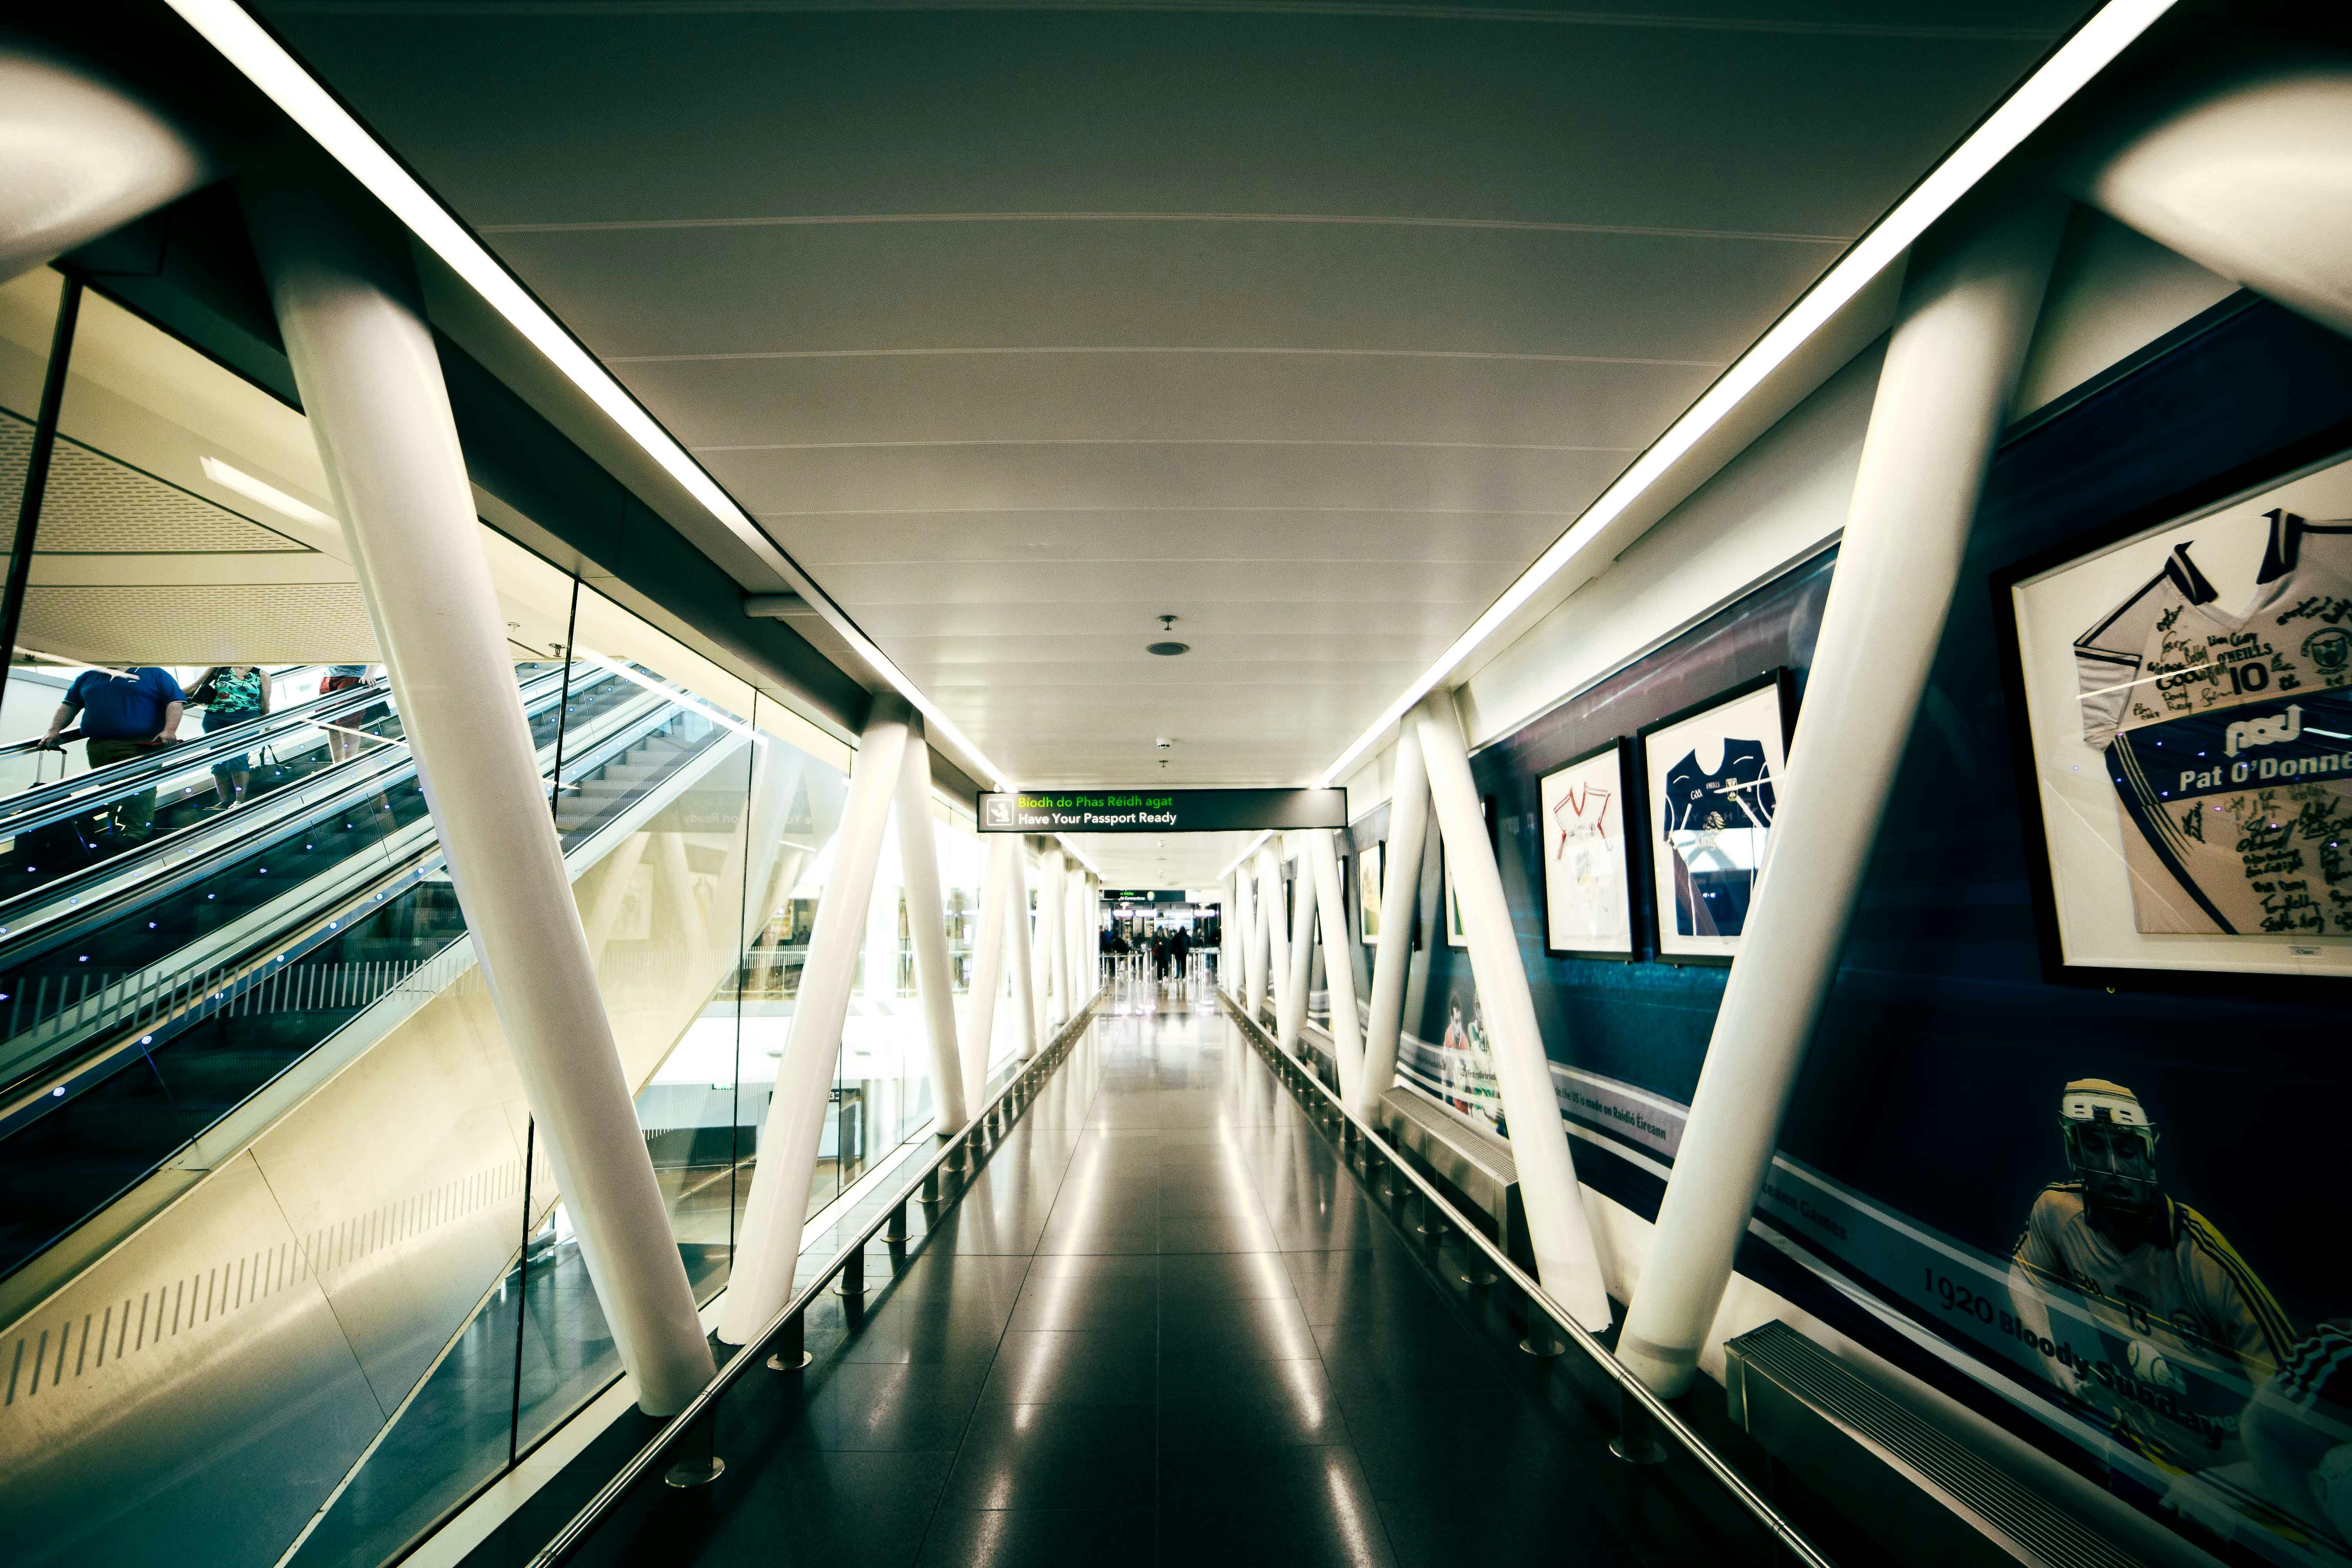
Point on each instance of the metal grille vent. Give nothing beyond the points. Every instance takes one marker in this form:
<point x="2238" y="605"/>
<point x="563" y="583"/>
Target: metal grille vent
<point x="248" y="623"/>
<point x="1965" y="1480"/>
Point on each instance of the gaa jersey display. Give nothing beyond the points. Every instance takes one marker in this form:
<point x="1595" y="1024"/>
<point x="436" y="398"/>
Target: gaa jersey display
<point x="1715" y="826"/>
<point x="2229" y="739"/>
<point x="1589" y="851"/>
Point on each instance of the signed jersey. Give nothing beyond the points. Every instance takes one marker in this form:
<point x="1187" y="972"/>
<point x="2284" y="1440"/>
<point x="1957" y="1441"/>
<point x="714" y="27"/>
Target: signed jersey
<point x="2228" y="740"/>
<point x="1587" y="863"/>
<point x="1715" y="825"/>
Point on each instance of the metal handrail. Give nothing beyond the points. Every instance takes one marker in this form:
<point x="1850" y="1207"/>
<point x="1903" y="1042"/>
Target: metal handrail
<point x="415" y="855"/>
<point x="1628" y="1383"/>
<point x="47" y="802"/>
<point x="609" y="1495"/>
<point x="93" y="890"/>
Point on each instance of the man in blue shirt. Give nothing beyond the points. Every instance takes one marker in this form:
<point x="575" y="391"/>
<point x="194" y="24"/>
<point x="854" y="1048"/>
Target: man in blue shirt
<point x="124" y="715"/>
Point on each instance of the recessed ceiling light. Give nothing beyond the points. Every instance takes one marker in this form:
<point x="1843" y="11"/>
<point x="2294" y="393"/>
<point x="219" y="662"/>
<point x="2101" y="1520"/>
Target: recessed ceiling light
<point x="1167" y="649"/>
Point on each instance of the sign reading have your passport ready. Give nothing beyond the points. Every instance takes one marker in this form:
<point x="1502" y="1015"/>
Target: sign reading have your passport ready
<point x="1160" y="810"/>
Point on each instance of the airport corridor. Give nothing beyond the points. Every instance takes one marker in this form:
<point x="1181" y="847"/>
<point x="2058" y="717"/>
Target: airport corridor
<point x="1164" y="1323"/>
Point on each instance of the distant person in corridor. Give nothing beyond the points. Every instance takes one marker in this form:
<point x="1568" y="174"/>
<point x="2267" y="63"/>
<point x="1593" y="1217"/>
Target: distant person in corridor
<point x="125" y="714"/>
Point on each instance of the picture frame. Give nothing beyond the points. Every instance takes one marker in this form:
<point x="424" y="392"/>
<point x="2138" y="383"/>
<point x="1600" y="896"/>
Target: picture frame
<point x="1588" y="818"/>
<point x="1368" y="892"/>
<point x="1724" y="762"/>
<point x="1456" y="934"/>
<point x="2210" y="661"/>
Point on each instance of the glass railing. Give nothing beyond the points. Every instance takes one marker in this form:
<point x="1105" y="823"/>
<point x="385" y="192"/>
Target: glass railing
<point x="138" y="1028"/>
<point x="136" y="935"/>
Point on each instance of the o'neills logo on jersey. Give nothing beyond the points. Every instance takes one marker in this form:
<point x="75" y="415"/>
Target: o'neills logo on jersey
<point x="2224" y="752"/>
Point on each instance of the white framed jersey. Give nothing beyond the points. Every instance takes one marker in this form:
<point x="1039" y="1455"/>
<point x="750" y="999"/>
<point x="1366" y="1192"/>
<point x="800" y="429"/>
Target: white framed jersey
<point x="1715" y="773"/>
<point x="2228" y="738"/>
<point x="1588" y="887"/>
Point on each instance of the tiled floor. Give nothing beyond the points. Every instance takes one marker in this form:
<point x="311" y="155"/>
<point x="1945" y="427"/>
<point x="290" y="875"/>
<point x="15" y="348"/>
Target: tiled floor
<point x="1165" y="1323"/>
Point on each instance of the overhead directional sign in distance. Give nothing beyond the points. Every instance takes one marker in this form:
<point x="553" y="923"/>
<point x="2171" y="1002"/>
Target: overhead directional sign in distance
<point x="1159" y="810"/>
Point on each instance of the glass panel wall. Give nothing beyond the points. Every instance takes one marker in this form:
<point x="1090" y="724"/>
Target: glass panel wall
<point x="264" y="1144"/>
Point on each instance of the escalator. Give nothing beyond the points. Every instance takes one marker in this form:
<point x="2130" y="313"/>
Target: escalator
<point x="151" y="994"/>
<point x="264" y="1153"/>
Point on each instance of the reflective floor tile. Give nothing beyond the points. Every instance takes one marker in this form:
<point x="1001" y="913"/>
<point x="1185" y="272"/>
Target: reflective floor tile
<point x="1117" y="1366"/>
<point x="1038" y="1538"/>
<point x="1054" y="1455"/>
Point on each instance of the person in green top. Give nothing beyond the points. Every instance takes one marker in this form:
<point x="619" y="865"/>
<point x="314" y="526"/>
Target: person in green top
<point x="233" y="693"/>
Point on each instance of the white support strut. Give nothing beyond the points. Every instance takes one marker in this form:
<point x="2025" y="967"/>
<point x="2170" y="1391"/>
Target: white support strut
<point x="1567" y="1261"/>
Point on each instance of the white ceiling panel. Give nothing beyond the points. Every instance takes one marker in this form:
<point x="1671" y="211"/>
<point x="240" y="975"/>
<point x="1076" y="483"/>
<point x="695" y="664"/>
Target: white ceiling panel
<point x="1177" y="282"/>
<point x="1310" y="327"/>
<point x="1016" y="475"/>
<point x="1195" y="393"/>
<point x="1161" y="534"/>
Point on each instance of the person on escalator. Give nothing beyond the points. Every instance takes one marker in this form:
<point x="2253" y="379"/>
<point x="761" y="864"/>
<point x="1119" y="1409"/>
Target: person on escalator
<point x="231" y="694"/>
<point x="124" y="714"/>
<point x="344" y="742"/>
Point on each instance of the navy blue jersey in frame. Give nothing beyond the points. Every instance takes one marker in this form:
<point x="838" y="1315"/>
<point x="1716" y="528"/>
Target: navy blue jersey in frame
<point x="1715" y="826"/>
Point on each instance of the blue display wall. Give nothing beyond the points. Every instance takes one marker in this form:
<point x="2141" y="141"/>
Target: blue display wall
<point x="1926" y="1123"/>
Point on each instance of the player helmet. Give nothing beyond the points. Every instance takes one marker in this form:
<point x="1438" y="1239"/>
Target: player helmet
<point x="2110" y="1142"/>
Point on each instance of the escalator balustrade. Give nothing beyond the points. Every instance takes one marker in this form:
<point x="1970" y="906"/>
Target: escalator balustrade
<point x="141" y="1024"/>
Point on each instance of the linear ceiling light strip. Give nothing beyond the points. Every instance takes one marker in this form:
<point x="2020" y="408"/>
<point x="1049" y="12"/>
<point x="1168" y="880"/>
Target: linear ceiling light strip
<point x="251" y="49"/>
<point x="2069" y="67"/>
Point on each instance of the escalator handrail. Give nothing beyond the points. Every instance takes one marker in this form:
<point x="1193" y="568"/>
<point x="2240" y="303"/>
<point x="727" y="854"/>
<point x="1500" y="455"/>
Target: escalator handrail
<point x="26" y="748"/>
<point x="46" y="804"/>
<point x="147" y="871"/>
<point x="70" y="796"/>
<point x="32" y="1097"/>
<point x="125" y="865"/>
<point x="414" y="864"/>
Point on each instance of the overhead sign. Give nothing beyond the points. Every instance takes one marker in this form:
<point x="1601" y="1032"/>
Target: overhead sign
<point x="1160" y="810"/>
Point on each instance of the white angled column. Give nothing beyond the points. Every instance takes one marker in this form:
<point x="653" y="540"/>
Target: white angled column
<point x="1252" y="975"/>
<point x="1228" y="946"/>
<point x="1558" y="1228"/>
<point x="1025" y="953"/>
<point x="84" y="157"/>
<point x="1944" y="392"/>
<point x="987" y="965"/>
<point x="1346" y="1048"/>
<point x="370" y="378"/>
<point x="1074" y="958"/>
<point x="1093" y="943"/>
<point x="2213" y="173"/>
<point x="1399" y="889"/>
<point x="1053" y="925"/>
<point x="1275" y="918"/>
<point x="926" y="930"/>
<point x="768" y="1247"/>
<point x="1291" y="1021"/>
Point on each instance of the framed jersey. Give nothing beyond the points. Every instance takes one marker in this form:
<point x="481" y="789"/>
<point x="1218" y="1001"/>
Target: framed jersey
<point x="1584" y="812"/>
<point x="1715" y="775"/>
<point x="1456" y="933"/>
<point x="2188" y="695"/>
